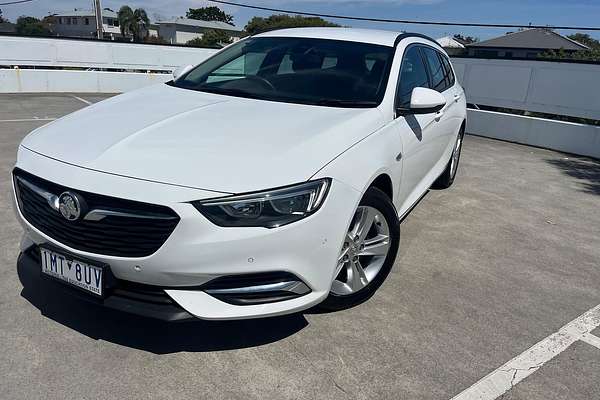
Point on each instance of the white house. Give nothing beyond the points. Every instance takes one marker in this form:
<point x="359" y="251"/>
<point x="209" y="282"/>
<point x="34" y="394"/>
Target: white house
<point x="182" y="30"/>
<point x="526" y="43"/>
<point x="82" y="23"/>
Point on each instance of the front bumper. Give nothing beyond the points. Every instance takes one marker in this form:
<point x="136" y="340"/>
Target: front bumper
<point x="198" y="252"/>
<point x="132" y="302"/>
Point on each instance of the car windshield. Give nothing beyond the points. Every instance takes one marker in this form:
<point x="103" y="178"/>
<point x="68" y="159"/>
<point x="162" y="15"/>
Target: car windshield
<point x="296" y="70"/>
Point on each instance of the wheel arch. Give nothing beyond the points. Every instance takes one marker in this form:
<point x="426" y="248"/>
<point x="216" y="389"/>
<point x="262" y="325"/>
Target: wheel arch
<point x="384" y="183"/>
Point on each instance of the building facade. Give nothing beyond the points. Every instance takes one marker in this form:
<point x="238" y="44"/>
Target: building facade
<point x="182" y="30"/>
<point x="82" y="23"/>
<point x="528" y="43"/>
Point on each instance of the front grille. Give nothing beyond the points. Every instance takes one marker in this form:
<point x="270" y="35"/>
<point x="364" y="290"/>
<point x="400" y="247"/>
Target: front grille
<point x="121" y="235"/>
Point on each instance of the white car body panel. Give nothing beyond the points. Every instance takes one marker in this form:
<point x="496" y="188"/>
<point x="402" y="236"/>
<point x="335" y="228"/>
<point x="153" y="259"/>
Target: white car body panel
<point x="198" y="251"/>
<point x="169" y="146"/>
<point x="371" y="36"/>
<point x="422" y="147"/>
<point x="293" y="140"/>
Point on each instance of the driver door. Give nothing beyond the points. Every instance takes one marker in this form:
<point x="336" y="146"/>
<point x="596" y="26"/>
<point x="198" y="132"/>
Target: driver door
<point x="417" y="132"/>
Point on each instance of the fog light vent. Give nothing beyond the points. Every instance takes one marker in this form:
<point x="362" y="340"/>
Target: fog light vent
<point x="252" y="289"/>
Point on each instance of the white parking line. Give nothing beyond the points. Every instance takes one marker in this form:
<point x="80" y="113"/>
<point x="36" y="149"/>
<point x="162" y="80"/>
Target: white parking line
<point x="27" y="120"/>
<point x="89" y="103"/>
<point x="507" y="376"/>
<point x="591" y="339"/>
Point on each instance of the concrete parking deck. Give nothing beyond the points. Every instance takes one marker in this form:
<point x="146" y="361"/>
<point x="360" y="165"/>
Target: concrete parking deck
<point x="486" y="269"/>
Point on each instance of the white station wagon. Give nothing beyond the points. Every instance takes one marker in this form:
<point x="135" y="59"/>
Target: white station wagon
<point x="268" y="179"/>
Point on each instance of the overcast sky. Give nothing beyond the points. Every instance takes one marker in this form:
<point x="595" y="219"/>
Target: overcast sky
<point x="552" y="12"/>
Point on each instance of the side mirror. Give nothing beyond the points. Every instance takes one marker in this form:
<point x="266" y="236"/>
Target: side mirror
<point x="424" y="101"/>
<point x="179" y="71"/>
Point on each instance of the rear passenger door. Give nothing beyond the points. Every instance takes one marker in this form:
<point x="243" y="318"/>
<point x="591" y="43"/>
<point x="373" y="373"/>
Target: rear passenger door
<point x="442" y="80"/>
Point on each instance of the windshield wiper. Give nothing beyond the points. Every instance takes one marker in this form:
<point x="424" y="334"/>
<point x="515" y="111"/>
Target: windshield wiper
<point x="228" y="92"/>
<point x="288" y="99"/>
<point x="345" y="103"/>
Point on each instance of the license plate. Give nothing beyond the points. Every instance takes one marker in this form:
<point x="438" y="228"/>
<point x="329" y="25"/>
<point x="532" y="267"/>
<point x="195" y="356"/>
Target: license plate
<point x="74" y="272"/>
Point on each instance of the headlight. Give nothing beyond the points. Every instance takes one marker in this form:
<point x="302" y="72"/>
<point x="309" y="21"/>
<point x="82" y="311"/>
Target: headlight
<point x="269" y="209"/>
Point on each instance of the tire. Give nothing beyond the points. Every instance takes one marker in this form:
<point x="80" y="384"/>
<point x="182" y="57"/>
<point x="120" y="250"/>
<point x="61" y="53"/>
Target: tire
<point x="446" y="179"/>
<point x="347" y="291"/>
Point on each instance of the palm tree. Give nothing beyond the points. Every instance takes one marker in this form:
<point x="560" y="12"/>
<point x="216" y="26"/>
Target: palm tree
<point x="133" y="22"/>
<point x="124" y="15"/>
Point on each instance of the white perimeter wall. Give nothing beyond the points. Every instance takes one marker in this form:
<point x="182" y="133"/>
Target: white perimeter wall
<point x="90" y="54"/>
<point x="67" y="53"/>
<point x="43" y="80"/>
<point x="557" y="135"/>
<point x="547" y="87"/>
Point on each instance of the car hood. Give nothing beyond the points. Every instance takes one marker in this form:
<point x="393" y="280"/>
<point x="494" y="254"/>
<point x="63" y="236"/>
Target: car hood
<point x="201" y="140"/>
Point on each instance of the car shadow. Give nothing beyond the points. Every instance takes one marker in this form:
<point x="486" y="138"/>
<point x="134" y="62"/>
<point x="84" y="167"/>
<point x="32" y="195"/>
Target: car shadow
<point x="151" y="335"/>
<point x="586" y="170"/>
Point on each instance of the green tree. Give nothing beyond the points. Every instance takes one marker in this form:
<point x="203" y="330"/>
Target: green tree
<point x="585" y="40"/>
<point x="466" y="39"/>
<point x="133" y="22"/>
<point x="555" y="54"/>
<point x="211" y="38"/>
<point x="154" y="39"/>
<point x="124" y="15"/>
<point x="209" y="14"/>
<point x="587" y="55"/>
<point x="31" y="26"/>
<point x="593" y="54"/>
<point x="258" y="24"/>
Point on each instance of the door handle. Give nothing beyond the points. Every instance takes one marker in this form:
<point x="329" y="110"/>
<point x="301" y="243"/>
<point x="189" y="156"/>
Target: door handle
<point x="457" y="97"/>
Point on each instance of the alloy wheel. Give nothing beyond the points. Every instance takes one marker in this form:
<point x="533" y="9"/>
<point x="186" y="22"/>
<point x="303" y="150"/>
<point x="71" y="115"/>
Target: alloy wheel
<point x="364" y="251"/>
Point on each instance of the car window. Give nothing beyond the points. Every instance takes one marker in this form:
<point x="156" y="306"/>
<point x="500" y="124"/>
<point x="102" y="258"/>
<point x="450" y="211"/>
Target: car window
<point x="249" y="63"/>
<point x="329" y="62"/>
<point x="285" y="67"/>
<point x="450" y="78"/>
<point x="297" y="70"/>
<point x="438" y="74"/>
<point x="412" y="74"/>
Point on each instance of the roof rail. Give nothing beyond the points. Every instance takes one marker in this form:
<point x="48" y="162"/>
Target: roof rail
<point x="408" y="35"/>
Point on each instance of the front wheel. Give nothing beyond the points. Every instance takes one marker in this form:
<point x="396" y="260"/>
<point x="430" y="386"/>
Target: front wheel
<point x="368" y="252"/>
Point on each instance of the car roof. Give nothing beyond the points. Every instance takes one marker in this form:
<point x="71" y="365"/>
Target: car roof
<point x="372" y="36"/>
